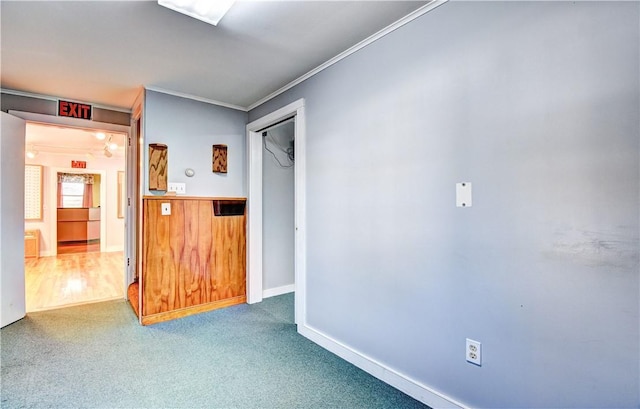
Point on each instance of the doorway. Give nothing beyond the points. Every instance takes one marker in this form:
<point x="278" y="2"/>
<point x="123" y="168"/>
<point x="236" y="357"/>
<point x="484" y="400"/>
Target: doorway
<point x="255" y="147"/>
<point x="80" y="233"/>
<point x="79" y="199"/>
<point x="278" y="230"/>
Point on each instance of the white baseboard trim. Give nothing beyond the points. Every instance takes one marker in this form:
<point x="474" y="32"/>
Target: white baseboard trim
<point x="415" y="389"/>
<point x="272" y="292"/>
<point x="113" y="249"/>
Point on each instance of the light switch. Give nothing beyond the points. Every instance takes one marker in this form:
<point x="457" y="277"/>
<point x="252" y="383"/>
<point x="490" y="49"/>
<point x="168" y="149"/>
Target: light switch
<point x="179" y="188"/>
<point x="463" y="194"/>
<point x="165" y="209"/>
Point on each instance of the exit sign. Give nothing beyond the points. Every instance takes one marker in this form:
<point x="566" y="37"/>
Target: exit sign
<point x="74" y="109"/>
<point x="78" y="164"/>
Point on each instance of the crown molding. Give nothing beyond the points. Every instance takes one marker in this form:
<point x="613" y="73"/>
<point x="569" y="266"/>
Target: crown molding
<point x="371" y="39"/>
<point x="196" y="98"/>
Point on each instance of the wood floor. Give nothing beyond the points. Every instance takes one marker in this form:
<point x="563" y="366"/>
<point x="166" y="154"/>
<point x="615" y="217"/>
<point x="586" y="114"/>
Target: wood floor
<point x="69" y="279"/>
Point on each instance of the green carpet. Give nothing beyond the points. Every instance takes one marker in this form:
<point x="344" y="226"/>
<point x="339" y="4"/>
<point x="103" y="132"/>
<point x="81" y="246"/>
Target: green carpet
<point x="246" y="356"/>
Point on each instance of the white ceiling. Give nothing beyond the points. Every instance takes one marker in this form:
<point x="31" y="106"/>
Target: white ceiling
<point x="80" y="142"/>
<point x="103" y="52"/>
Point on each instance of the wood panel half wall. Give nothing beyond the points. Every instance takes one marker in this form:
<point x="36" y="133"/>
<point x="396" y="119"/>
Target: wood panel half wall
<point x="193" y="261"/>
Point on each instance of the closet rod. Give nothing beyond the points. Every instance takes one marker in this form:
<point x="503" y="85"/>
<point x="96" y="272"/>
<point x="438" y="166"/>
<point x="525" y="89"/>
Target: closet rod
<point x="276" y="124"/>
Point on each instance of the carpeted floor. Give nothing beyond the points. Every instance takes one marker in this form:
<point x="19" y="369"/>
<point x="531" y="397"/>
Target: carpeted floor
<point x="246" y="356"/>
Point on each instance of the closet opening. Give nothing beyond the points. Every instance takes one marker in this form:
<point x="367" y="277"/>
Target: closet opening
<point x="272" y="132"/>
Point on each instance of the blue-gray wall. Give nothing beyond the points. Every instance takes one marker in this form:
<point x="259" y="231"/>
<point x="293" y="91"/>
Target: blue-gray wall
<point x="190" y="128"/>
<point x="537" y="104"/>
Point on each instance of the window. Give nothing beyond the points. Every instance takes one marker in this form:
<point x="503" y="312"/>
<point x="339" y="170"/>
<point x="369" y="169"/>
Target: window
<point x="72" y="194"/>
<point x="75" y="190"/>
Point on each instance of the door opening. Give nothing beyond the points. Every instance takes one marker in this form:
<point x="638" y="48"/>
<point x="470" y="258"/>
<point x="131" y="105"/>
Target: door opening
<point x="106" y="162"/>
<point x="255" y="204"/>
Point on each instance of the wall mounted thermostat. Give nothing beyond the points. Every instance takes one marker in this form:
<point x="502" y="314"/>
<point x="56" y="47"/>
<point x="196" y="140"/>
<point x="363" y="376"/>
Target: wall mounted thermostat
<point x="463" y="194"/>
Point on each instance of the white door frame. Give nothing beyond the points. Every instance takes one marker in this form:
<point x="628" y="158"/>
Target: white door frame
<point x="82" y="123"/>
<point x="254" y="204"/>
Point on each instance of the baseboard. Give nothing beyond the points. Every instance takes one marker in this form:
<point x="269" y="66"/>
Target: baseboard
<point x="194" y="309"/>
<point x="415" y="389"/>
<point x="272" y="292"/>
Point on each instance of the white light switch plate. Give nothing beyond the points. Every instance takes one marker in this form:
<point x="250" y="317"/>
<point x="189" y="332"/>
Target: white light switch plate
<point x="463" y="194"/>
<point x="179" y="188"/>
<point x="165" y="209"/>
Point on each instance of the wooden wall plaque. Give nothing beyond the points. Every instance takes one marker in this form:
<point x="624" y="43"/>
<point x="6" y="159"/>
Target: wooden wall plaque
<point x="220" y="158"/>
<point x="158" y="157"/>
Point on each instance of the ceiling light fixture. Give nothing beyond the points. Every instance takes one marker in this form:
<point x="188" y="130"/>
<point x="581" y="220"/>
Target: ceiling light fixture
<point x="205" y="10"/>
<point x="32" y="153"/>
<point x="101" y="135"/>
<point x="109" y="147"/>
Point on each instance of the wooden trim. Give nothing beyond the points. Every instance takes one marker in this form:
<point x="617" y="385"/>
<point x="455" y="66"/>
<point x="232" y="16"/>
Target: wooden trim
<point x="154" y="197"/>
<point x="196" y="309"/>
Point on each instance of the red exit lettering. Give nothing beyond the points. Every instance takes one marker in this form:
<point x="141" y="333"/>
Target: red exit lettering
<point x="74" y="109"/>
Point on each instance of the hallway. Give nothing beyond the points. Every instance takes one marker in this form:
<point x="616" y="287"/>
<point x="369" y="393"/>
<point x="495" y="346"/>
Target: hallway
<point x="68" y="279"/>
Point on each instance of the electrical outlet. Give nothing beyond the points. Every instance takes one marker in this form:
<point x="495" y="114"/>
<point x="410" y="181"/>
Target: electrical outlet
<point x="179" y="188"/>
<point x="474" y="352"/>
<point x="165" y="209"/>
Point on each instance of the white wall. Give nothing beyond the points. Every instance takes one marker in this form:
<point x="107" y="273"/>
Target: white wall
<point x="190" y="128"/>
<point x="52" y="162"/>
<point x="278" y="212"/>
<point x="536" y="104"/>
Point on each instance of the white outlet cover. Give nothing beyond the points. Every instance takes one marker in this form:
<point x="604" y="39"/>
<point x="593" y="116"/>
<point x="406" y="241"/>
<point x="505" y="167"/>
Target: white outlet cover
<point x="474" y="352"/>
<point x="165" y="209"/>
<point x="463" y="194"/>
